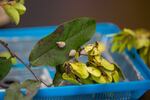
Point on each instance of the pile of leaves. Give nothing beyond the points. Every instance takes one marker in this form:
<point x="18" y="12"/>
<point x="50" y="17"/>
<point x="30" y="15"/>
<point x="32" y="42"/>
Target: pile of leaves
<point x="139" y="39"/>
<point x="14" y="9"/>
<point x="96" y="70"/>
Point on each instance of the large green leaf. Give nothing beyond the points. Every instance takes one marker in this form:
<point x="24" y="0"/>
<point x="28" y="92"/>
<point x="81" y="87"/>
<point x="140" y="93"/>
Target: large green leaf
<point x="74" y="33"/>
<point x="5" y="66"/>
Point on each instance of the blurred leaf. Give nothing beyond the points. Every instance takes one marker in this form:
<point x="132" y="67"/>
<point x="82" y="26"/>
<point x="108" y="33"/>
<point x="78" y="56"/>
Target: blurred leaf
<point x="14" y="90"/>
<point x="122" y="48"/>
<point x="12" y="13"/>
<point x="20" y="1"/>
<point x="31" y="86"/>
<point x="5" y="66"/>
<point x="20" y="8"/>
<point x="125" y="39"/>
<point x="74" y="33"/>
<point x="140" y="43"/>
<point x="128" y="31"/>
<point x="129" y="46"/>
<point x="79" y="69"/>
<point x="7" y="55"/>
<point x="114" y="47"/>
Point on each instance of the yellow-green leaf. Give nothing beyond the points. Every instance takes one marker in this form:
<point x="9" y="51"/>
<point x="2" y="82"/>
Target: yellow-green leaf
<point x="107" y="65"/>
<point x="80" y="69"/>
<point x="20" y="8"/>
<point x="70" y="78"/>
<point x="12" y="13"/>
<point x="94" y="71"/>
<point x="116" y="76"/>
<point x="101" y="79"/>
<point x="7" y="55"/>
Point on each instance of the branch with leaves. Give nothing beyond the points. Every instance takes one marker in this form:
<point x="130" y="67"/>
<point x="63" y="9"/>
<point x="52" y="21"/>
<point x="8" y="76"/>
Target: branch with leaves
<point x="139" y="39"/>
<point x="13" y="55"/>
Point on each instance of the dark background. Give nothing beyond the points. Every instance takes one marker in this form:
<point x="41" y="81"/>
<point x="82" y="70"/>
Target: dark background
<point x="125" y="13"/>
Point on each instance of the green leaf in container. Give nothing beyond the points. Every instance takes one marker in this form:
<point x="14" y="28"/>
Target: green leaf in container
<point x="5" y="66"/>
<point x="94" y="71"/>
<point x="79" y="69"/>
<point x="107" y="65"/>
<point x="12" y="13"/>
<point x="74" y="33"/>
<point x="20" y="8"/>
<point x="70" y="78"/>
<point x="86" y="81"/>
<point x="116" y="76"/>
<point x="109" y="76"/>
<point x="117" y="68"/>
<point x="101" y="79"/>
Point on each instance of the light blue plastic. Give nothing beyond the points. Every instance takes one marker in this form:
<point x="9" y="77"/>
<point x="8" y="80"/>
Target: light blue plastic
<point x="125" y="90"/>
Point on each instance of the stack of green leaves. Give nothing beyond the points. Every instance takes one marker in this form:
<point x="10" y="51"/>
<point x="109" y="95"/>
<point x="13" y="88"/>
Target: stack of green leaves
<point x="139" y="39"/>
<point x="96" y="70"/>
<point x="14" y="9"/>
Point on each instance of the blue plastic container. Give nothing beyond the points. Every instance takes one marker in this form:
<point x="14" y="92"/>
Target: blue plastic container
<point x="125" y="90"/>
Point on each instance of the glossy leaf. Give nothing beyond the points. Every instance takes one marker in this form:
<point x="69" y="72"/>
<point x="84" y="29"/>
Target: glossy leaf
<point x="79" y="69"/>
<point x="74" y="33"/>
<point x="94" y="71"/>
<point x="107" y="65"/>
<point x="5" y="66"/>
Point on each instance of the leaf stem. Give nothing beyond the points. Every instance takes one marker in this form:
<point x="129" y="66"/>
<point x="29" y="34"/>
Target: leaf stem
<point x="4" y="44"/>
